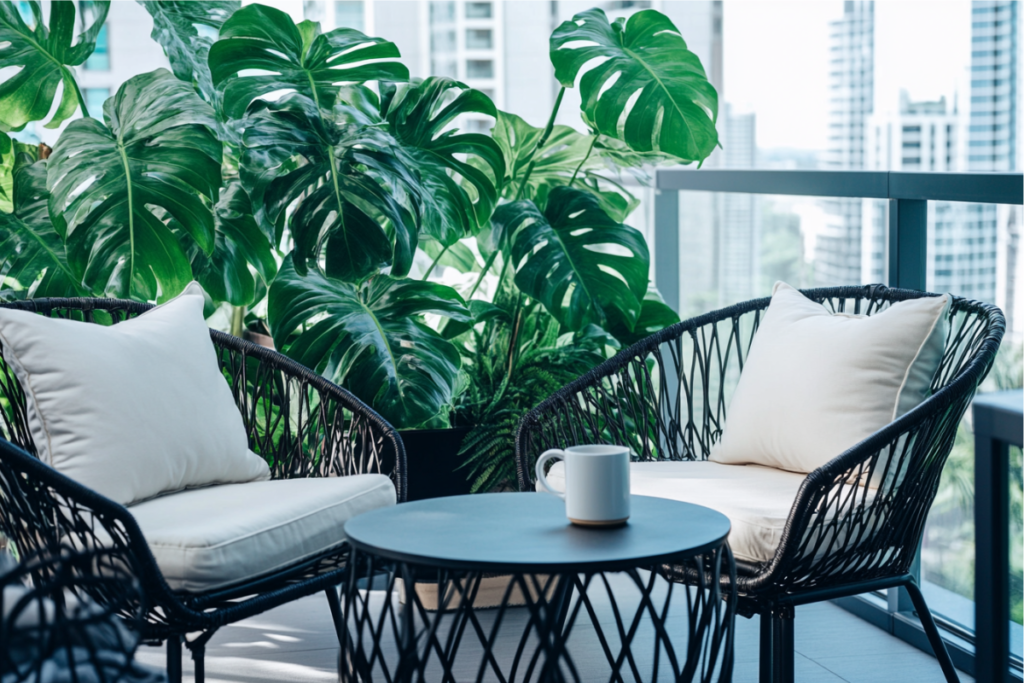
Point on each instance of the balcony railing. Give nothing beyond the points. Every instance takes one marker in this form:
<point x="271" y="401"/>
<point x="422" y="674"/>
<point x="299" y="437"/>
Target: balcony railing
<point x="906" y="262"/>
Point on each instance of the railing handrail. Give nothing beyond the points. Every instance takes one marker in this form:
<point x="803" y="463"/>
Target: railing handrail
<point x="981" y="187"/>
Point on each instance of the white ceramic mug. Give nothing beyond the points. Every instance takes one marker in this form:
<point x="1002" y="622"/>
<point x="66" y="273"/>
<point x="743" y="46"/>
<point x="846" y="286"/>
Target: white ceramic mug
<point x="596" y="483"/>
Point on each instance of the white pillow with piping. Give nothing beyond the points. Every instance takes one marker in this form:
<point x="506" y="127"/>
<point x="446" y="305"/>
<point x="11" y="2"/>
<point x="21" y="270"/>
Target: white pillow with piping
<point x="816" y="383"/>
<point x="131" y="410"/>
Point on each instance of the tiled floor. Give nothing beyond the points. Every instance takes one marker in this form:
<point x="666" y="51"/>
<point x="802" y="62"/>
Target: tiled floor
<point x="296" y="642"/>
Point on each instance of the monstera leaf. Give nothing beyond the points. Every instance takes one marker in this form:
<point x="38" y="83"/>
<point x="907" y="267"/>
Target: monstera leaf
<point x="649" y="91"/>
<point x="655" y="315"/>
<point x="345" y="182"/>
<point x="238" y="243"/>
<point x="563" y="155"/>
<point x="575" y="259"/>
<point x="297" y="58"/>
<point x="13" y="155"/>
<point x="174" y="27"/>
<point x="29" y="246"/>
<point x="44" y="57"/>
<point x="456" y="198"/>
<point x="370" y="338"/>
<point x="115" y="187"/>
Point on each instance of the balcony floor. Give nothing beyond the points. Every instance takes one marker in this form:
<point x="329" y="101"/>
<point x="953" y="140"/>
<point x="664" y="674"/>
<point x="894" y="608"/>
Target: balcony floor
<point x="296" y="643"/>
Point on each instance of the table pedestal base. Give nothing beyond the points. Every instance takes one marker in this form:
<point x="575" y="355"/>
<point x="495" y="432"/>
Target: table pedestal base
<point x="612" y="625"/>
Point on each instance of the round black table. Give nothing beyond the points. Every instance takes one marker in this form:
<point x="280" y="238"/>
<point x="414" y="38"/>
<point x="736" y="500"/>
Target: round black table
<point x="555" y="568"/>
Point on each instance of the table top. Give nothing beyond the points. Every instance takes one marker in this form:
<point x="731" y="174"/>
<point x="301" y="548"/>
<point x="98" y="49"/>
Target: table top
<point x="528" y="532"/>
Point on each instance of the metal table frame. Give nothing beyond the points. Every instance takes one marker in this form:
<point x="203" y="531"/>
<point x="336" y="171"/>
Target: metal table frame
<point x="557" y="570"/>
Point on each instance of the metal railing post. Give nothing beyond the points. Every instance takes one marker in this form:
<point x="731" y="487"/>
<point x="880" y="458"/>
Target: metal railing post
<point x="666" y="246"/>
<point x="908" y="243"/>
<point x="997" y="424"/>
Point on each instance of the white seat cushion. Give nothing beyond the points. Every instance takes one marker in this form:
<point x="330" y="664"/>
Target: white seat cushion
<point x="217" y="536"/>
<point x="756" y="499"/>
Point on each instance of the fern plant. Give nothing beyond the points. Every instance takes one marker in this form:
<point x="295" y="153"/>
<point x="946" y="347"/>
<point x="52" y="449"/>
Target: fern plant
<point x="500" y="387"/>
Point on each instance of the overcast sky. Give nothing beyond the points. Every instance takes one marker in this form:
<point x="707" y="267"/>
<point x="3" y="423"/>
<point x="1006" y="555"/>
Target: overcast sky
<point x="776" y="60"/>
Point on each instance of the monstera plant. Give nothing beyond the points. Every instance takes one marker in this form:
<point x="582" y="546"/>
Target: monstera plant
<point x="316" y="191"/>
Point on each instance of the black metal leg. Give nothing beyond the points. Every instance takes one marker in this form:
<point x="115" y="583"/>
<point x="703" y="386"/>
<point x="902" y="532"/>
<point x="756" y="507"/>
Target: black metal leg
<point x="932" y="631"/>
<point x="198" y="649"/>
<point x="562" y="598"/>
<point x="777" y="656"/>
<point x="335" y="602"/>
<point x="174" y="659"/>
<point x="199" y="659"/>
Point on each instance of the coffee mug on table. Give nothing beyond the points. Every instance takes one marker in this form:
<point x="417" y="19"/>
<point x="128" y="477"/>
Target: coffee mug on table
<point x="596" y="483"/>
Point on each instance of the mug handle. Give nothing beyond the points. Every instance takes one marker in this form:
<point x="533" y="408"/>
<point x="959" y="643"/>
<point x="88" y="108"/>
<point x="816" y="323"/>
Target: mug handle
<point x="543" y="460"/>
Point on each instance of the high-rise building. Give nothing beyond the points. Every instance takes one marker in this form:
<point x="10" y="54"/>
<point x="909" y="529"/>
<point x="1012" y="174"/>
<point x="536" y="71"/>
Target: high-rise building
<point x="993" y="145"/>
<point x="995" y="73"/>
<point x="925" y="136"/>
<point x="738" y="255"/>
<point x="851" y="76"/>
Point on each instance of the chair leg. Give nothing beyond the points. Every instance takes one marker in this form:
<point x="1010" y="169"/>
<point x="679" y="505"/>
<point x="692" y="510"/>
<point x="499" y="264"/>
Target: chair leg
<point x="199" y="659"/>
<point x="198" y="649"/>
<point x="777" y="656"/>
<point x="932" y="631"/>
<point x="174" y="659"/>
<point x="335" y="602"/>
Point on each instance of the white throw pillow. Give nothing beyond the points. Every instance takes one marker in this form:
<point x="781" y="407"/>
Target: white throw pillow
<point x="132" y="410"/>
<point x="815" y="383"/>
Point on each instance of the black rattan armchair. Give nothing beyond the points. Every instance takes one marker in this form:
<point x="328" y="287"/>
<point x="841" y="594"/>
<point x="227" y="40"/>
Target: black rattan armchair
<point x="666" y="397"/>
<point x="302" y="424"/>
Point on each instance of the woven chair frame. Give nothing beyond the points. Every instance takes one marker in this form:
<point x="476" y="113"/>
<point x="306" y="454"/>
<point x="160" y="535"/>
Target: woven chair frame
<point x="666" y="397"/>
<point x="301" y="423"/>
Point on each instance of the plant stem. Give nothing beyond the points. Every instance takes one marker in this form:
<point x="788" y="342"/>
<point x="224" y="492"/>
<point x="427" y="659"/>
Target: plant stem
<point x="589" y="150"/>
<point x="81" y="99"/>
<point x="540" y="143"/>
<point x="237" y="320"/>
<point x="487" y="267"/>
<point x="515" y="334"/>
<point x="433" y="265"/>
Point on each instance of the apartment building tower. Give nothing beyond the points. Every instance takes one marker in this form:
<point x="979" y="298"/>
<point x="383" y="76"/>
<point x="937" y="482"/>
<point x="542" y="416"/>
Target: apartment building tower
<point x="994" y="145"/>
<point x="851" y="94"/>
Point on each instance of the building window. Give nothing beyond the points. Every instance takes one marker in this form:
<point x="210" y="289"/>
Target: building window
<point x="479" y="39"/>
<point x="444" y="67"/>
<point x="94" y="99"/>
<point x="479" y="68"/>
<point x="478" y="10"/>
<point x="349" y="14"/>
<point x="99" y="60"/>
<point x="442" y="40"/>
<point x="442" y="12"/>
<point x="313" y="10"/>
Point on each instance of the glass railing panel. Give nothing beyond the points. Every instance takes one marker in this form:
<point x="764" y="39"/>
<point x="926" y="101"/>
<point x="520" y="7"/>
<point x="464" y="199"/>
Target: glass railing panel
<point x="734" y="246"/>
<point x="974" y="251"/>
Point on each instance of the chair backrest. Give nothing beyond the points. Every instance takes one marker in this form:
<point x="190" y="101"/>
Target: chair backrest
<point x="281" y="402"/>
<point x="667" y="398"/>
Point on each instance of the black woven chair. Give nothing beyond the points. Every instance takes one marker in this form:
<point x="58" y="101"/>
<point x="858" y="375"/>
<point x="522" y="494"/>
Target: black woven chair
<point x="52" y="630"/>
<point x="666" y="397"/>
<point x="302" y="424"/>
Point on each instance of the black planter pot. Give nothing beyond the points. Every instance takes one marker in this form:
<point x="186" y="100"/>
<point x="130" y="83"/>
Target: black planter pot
<point x="431" y="457"/>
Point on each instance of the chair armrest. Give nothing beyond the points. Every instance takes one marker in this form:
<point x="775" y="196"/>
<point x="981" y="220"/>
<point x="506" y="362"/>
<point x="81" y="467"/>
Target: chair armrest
<point x="862" y="514"/>
<point x="303" y="424"/>
<point x="47" y="515"/>
<point x="665" y="397"/>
